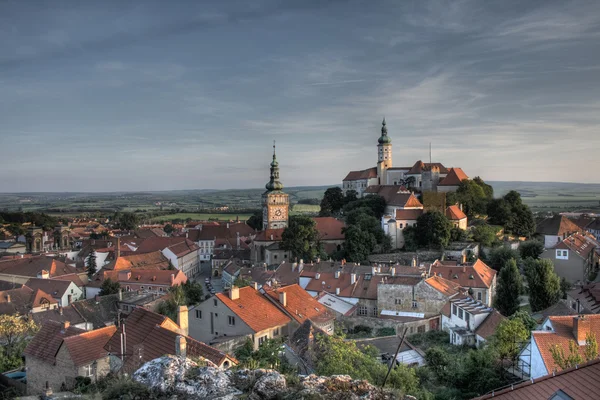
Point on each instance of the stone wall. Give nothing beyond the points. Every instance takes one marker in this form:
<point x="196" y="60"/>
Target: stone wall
<point x="405" y="258"/>
<point x="377" y="323"/>
<point x="229" y="346"/>
<point x="400" y="298"/>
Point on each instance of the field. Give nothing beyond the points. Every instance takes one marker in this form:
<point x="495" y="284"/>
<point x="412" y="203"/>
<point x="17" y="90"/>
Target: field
<point x="200" y="217"/>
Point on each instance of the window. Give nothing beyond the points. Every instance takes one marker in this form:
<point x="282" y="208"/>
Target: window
<point x="562" y="254"/>
<point x="401" y="226"/>
<point x="142" y="288"/>
<point x="276" y="332"/>
<point x="415" y="304"/>
<point x="411" y="330"/>
<point x="125" y="307"/>
<point x="149" y="287"/>
<point x="71" y="291"/>
<point x="199" y="314"/>
<point x="421" y="329"/>
<point x="454" y="309"/>
<point x="398" y="301"/>
<point x="375" y="311"/>
<point x="362" y="310"/>
<point x="261" y="340"/>
<point x="88" y="370"/>
<point x="160" y="289"/>
<point x="467" y="317"/>
<point x="231" y="320"/>
<point x="128" y="288"/>
<point x="460" y="313"/>
<point x="216" y="315"/>
<point x="479" y="296"/>
<point x="215" y="302"/>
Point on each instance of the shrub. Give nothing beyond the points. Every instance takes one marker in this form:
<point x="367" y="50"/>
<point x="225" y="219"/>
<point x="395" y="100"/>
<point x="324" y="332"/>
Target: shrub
<point x="386" y="332"/>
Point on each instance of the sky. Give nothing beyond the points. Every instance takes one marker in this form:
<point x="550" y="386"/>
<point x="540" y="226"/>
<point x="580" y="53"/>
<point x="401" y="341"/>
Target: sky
<point x="155" y="95"/>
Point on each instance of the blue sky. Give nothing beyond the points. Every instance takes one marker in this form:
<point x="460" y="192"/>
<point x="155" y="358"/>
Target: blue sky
<point x="114" y="95"/>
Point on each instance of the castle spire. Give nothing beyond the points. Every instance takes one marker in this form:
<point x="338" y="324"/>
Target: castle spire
<point x="384" y="138"/>
<point x="274" y="183"/>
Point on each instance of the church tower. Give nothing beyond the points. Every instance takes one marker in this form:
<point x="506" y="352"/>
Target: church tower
<point x="384" y="155"/>
<point x="275" y="202"/>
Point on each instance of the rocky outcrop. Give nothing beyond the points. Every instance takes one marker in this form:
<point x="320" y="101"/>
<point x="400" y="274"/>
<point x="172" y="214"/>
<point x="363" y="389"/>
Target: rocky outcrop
<point x="181" y="378"/>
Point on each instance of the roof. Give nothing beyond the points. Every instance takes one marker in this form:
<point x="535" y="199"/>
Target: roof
<point x="578" y="244"/>
<point x="394" y="195"/>
<point x="488" y="327"/>
<point x="336" y="304"/>
<point x="54" y="287"/>
<point x="444" y="286"/>
<point x="408" y="215"/>
<point x="588" y="296"/>
<point x="478" y="275"/>
<point x="420" y="166"/>
<point x="87" y="347"/>
<point x="151" y="277"/>
<point x="46" y="343"/>
<point x="558" y="225"/>
<point x="579" y="383"/>
<point x="182" y="248"/>
<point x="560" y="335"/>
<point x="558" y="309"/>
<point x="254" y="309"/>
<point x="454" y="213"/>
<point x="22" y="300"/>
<point x="152" y="260"/>
<point x="471" y="305"/>
<point x="32" y="266"/>
<point x="359" y="175"/>
<point x="454" y="178"/>
<point x="156" y="243"/>
<point x="220" y="231"/>
<point x="269" y="235"/>
<point x="145" y="233"/>
<point x="330" y="228"/>
<point x="299" y="304"/>
<point x="60" y="314"/>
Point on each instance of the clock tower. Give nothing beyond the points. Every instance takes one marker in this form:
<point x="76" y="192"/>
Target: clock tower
<point x="275" y="202"/>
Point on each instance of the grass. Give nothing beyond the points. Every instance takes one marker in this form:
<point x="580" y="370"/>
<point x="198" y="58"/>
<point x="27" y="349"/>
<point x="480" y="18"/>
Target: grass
<point x="201" y="217"/>
<point x="305" y="209"/>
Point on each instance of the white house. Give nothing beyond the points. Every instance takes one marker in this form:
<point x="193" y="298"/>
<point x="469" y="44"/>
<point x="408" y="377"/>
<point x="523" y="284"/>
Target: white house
<point x="184" y="256"/>
<point x="464" y="319"/>
<point x="63" y="291"/>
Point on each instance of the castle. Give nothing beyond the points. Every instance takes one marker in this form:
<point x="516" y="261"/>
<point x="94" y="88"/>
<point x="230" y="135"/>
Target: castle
<point x="423" y="177"/>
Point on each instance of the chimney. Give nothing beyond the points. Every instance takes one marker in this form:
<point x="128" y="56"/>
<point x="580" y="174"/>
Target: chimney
<point x="118" y="251"/>
<point x="8" y="298"/>
<point x="393" y="271"/>
<point x="301" y="265"/>
<point x="120" y="294"/>
<point x="317" y="275"/>
<point x="581" y="328"/>
<point x="337" y="274"/>
<point x="414" y="262"/>
<point x="228" y="225"/>
<point x="182" y="320"/>
<point x="337" y="291"/>
<point x="352" y="279"/>
<point x="172" y="279"/>
<point x="237" y="240"/>
<point x="234" y="293"/>
<point x="464" y="259"/>
<point x="294" y="266"/>
<point x="283" y="298"/>
<point x="181" y="346"/>
<point x="255" y="285"/>
<point x="373" y="270"/>
<point x="271" y="237"/>
<point x="66" y="325"/>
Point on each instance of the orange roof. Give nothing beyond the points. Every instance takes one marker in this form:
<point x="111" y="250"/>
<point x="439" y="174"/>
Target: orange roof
<point x="46" y="343"/>
<point x="254" y="309"/>
<point x="152" y="260"/>
<point x="359" y="175"/>
<point x="299" y="304"/>
<point x="265" y="236"/>
<point x="478" y="275"/>
<point x="395" y="196"/>
<point x="330" y="228"/>
<point x="89" y="346"/>
<point x="454" y="178"/>
<point x="150" y="277"/>
<point x="578" y="244"/>
<point x="561" y="335"/>
<point x="408" y="215"/>
<point x="454" y="213"/>
<point x="559" y="225"/>
<point x="33" y="265"/>
<point x="23" y="299"/>
<point x="444" y="286"/>
<point x="488" y="327"/>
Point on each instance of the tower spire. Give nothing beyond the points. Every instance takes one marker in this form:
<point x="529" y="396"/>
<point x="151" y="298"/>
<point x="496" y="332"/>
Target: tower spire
<point x="274" y="183"/>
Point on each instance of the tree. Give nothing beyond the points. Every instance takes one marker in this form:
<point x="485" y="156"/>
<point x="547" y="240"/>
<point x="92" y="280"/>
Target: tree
<point x="458" y="235"/>
<point x="242" y="282"/>
<point x="91" y="261"/>
<point x="170" y="306"/>
<point x="499" y="257"/>
<point x="522" y="222"/>
<point x="193" y="292"/>
<point x="574" y="357"/>
<point x="433" y="230"/>
<point x="301" y="238"/>
<point x="498" y="212"/>
<point x="565" y="286"/>
<point x="526" y="318"/>
<point x="510" y="213"/>
<point x="358" y="243"/>
<point x="439" y="361"/>
<point x="473" y="196"/>
<point x="375" y="202"/>
<point x="509" y="337"/>
<point x="15" y="333"/>
<point x="508" y="289"/>
<point x="485" y="235"/>
<point x="256" y="221"/>
<point x="411" y="242"/>
<point x="351" y="195"/>
<point x="168" y="228"/>
<point x="109" y="287"/>
<point x="127" y="221"/>
<point x="543" y="283"/>
<point x="333" y="201"/>
<point x="531" y="248"/>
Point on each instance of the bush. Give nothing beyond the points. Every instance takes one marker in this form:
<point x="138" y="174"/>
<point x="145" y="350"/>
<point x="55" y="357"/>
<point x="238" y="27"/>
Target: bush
<point x="126" y="389"/>
<point x="385" y="332"/>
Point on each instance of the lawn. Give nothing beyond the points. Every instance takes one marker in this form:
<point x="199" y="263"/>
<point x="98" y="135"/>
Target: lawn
<point x="201" y="217"/>
<point x="305" y="209"/>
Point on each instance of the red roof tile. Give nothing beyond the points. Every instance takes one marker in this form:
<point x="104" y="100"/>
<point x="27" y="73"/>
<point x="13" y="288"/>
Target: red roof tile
<point x="89" y="346"/>
<point x="269" y="235"/>
<point x="478" y="275"/>
<point x="444" y="286"/>
<point x="454" y="213"/>
<point x="254" y="309"/>
<point x="330" y="228"/>
<point x="23" y="299"/>
<point x="454" y="178"/>
<point x="299" y="304"/>
<point x="46" y="343"/>
<point x="359" y="175"/>
<point x="558" y="225"/>
<point x="408" y="215"/>
<point x="488" y="327"/>
<point x="395" y="196"/>
<point x="32" y="266"/>
<point x="578" y="244"/>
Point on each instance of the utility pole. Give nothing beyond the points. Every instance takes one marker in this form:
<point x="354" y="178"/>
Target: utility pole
<point x="394" y="359"/>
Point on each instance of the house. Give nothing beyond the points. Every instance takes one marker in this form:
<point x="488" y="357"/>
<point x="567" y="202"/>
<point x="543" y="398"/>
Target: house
<point x="574" y="257"/>
<point x="585" y="299"/>
<point x="463" y="317"/>
<point x="222" y="257"/>
<point x="337" y="305"/>
<point x="59" y="353"/>
<point x="231" y="271"/>
<point x="20" y="270"/>
<point x="457" y="217"/>
<point x="152" y="260"/>
<point x="594" y="228"/>
<point x="180" y="251"/>
<point x="580" y="382"/>
<point x="63" y="291"/>
<point x="553" y="230"/>
<point x="300" y="306"/>
<point x="12" y="248"/>
<point x="240" y="312"/>
<point x="536" y="357"/>
<point x="477" y="278"/>
<point x="157" y="281"/>
<point x="25" y="300"/>
<point x="146" y="335"/>
<point x="209" y="237"/>
<point x="452" y="180"/>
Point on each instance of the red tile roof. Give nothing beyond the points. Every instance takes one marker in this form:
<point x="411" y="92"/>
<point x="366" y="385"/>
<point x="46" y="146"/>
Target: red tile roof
<point x="408" y="215"/>
<point x="182" y="248"/>
<point x="558" y="225"/>
<point x="299" y="304"/>
<point x="265" y="236"/>
<point x="152" y="244"/>
<point x="150" y="277"/>
<point x="220" y="231"/>
<point x="444" y="286"/>
<point x="395" y="196"/>
<point x="254" y="309"/>
<point x="54" y="287"/>
<point x="579" y="383"/>
<point x="23" y="299"/>
<point x="420" y="166"/>
<point x="330" y="228"/>
<point x="454" y="213"/>
<point x="478" y="275"/>
<point x="578" y="244"/>
<point x="454" y="178"/>
<point x="152" y="260"/>
<point x="359" y="175"/>
<point x="32" y="266"/>
<point x="46" y="343"/>
<point x="89" y="346"/>
<point x="488" y="327"/>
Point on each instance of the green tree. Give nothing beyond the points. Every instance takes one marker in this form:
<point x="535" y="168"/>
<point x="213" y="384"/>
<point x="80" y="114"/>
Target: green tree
<point x="458" y="235"/>
<point x="256" y="221"/>
<point x="411" y="241"/>
<point x="565" y="286"/>
<point x="522" y="222"/>
<point x="91" y="264"/>
<point x="509" y="337"/>
<point x="485" y="235"/>
<point x="15" y="333"/>
<point x="526" y="318"/>
<point x="170" y="306"/>
<point x="510" y="213"/>
<point x="498" y="212"/>
<point x="508" y="289"/>
<point x="193" y="292"/>
<point x="109" y="287"/>
<point x="473" y="196"/>
<point x="358" y="244"/>
<point x="333" y="201"/>
<point x="531" y="248"/>
<point x="433" y="230"/>
<point x="168" y="228"/>
<point x="543" y="283"/>
<point x="374" y="202"/>
<point x="351" y="195"/>
<point x="242" y="282"/>
<point x="301" y="238"/>
<point x="439" y="361"/>
<point x="574" y="357"/>
<point x="500" y="256"/>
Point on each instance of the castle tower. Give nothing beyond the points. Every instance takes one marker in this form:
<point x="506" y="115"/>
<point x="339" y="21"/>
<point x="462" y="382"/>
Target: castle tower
<point x="275" y="201"/>
<point x="384" y="155"/>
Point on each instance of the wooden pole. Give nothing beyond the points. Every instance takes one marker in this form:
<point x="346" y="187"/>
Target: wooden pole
<point x="394" y="359"/>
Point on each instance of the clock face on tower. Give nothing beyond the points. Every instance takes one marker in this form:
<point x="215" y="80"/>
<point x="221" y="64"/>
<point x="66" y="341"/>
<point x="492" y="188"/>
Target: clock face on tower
<point x="278" y="213"/>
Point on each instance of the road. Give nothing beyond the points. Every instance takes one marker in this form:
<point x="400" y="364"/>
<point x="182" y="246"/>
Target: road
<point x="205" y="272"/>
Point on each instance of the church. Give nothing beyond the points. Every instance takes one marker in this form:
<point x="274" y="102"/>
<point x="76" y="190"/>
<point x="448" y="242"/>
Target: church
<point x="420" y="177"/>
<point x="275" y="205"/>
